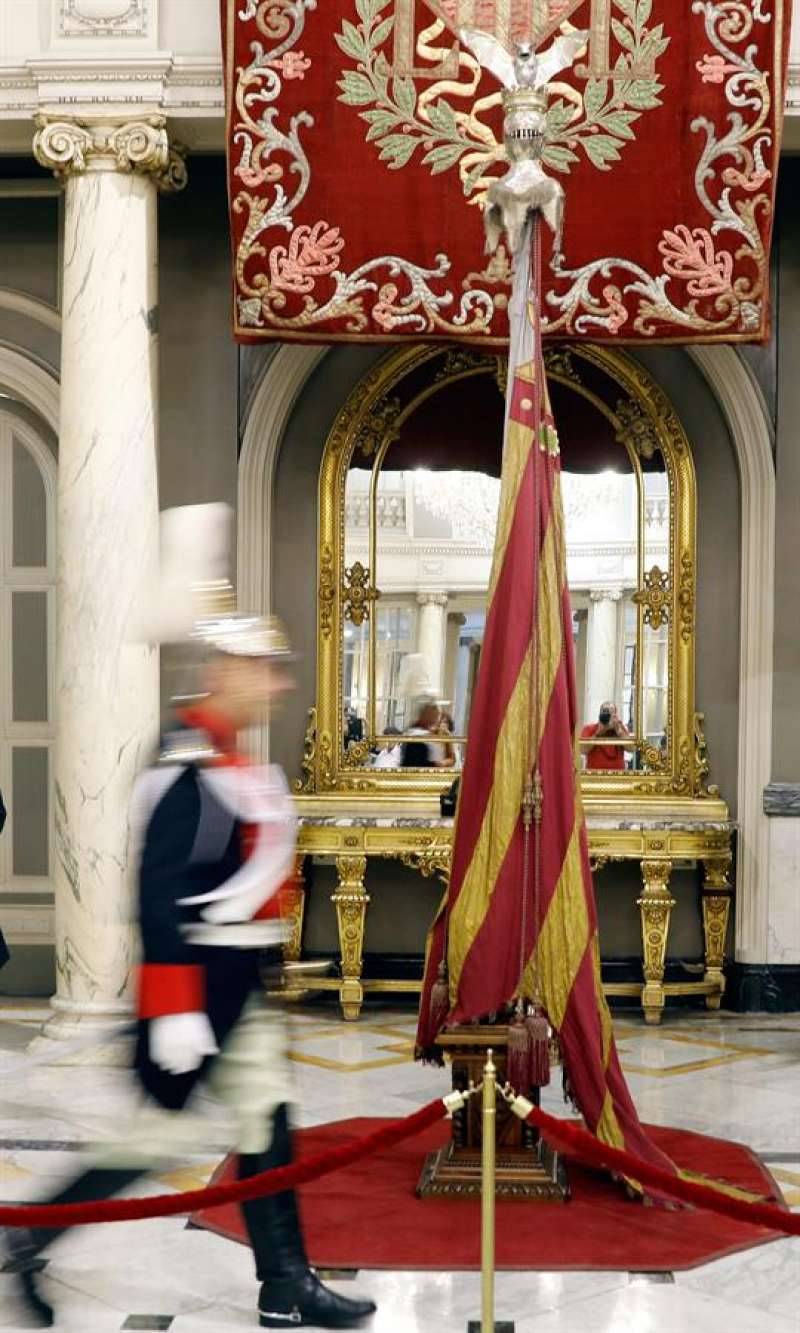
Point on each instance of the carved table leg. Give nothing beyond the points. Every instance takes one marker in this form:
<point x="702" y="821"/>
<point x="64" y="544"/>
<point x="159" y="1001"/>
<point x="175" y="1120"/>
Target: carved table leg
<point x="351" y="901"/>
<point x="655" y="906"/>
<point x="717" y="894"/>
<point x="296" y="911"/>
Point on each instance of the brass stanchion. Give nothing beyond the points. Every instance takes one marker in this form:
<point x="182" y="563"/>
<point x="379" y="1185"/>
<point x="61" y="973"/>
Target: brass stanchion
<point x="488" y="1162"/>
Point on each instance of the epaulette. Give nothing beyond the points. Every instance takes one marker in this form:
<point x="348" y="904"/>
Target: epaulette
<point x="186" y="747"/>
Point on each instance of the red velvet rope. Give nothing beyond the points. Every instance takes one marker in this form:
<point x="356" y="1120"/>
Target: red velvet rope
<point x="577" y="1143"/>
<point x="239" y="1191"/>
<point x="569" y="1138"/>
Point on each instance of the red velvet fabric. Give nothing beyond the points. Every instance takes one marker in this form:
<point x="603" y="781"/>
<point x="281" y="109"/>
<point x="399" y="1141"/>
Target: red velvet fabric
<point x="362" y="139"/>
<point x="367" y="1216"/>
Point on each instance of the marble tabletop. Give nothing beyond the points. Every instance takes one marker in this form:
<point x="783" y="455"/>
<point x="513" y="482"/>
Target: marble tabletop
<point x="598" y="823"/>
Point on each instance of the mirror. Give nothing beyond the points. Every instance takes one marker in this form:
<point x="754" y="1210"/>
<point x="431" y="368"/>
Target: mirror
<point x="409" y="495"/>
<point x="427" y="529"/>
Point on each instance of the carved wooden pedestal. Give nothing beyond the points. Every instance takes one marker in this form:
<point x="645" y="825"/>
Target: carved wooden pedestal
<point x="526" y="1166"/>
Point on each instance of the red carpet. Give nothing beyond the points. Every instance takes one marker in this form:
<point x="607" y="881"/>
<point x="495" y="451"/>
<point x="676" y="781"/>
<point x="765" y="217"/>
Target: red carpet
<point x="369" y="1217"/>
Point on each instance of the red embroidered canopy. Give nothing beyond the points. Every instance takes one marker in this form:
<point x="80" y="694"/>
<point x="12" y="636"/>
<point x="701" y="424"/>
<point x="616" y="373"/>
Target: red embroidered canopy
<point x="362" y="137"/>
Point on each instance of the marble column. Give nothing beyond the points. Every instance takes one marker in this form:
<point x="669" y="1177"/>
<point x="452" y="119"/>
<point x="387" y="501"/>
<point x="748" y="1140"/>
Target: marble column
<point x="455" y="622"/>
<point x="107" y="685"/>
<point x="601" y="650"/>
<point x="432" y="634"/>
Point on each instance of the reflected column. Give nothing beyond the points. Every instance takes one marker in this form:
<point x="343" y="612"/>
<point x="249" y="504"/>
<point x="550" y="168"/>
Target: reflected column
<point x="455" y="623"/>
<point x="432" y="634"/>
<point x="602" y="649"/>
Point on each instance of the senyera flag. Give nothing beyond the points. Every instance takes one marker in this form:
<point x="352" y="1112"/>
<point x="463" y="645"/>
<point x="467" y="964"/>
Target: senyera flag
<point x="362" y="138"/>
<point x="519" y="920"/>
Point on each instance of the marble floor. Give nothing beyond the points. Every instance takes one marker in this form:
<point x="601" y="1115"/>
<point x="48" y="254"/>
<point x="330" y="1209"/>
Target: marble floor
<point x="731" y="1075"/>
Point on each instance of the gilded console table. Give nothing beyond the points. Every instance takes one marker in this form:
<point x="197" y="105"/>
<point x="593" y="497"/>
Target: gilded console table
<point x="422" y="839"/>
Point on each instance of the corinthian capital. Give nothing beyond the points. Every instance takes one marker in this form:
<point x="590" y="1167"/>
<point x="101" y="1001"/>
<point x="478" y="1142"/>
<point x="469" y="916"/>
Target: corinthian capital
<point x="72" y="147"/>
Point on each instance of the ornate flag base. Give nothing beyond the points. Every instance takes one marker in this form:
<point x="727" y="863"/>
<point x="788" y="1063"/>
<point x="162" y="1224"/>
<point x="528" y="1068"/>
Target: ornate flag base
<point x="526" y="1166"/>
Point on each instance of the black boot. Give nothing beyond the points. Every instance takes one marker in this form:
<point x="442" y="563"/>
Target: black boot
<point x="291" y="1295"/>
<point x="20" y="1258"/>
<point x="304" y="1301"/>
<point x="23" y="1249"/>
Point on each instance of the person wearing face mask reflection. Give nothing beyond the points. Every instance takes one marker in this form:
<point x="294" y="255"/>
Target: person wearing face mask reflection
<point x="216" y="864"/>
<point x="610" y="727"/>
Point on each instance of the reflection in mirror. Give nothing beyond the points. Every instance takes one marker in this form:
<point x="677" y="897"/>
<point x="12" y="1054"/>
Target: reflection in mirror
<point x="655" y="683"/>
<point x="420" y="522"/>
<point x="656" y="513"/>
<point x="601" y="511"/>
<point x="433" y="573"/>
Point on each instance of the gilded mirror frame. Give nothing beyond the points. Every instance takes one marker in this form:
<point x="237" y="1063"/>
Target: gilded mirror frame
<point x="643" y="419"/>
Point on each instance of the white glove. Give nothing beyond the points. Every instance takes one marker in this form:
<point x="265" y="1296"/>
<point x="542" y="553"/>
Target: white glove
<point x="179" y="1043"/>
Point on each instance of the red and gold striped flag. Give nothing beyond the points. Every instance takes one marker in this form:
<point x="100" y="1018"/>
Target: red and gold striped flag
<point x="517" y="923"/>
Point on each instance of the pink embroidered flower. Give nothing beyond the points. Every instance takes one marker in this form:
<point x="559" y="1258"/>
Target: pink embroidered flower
<point x="690" y="255"/>
<point x="714" y="68"/>
<point x="292" y="64"/>
<point x="312" y="252"/>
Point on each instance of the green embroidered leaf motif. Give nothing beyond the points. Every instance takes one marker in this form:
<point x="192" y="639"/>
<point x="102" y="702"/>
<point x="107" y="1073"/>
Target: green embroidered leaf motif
<point x="356" y="89"/>
<point x="653" y="45"/>
<point x="351" y="41"/>
<point x="643" y="94"/>
<point x="397" y="149"/>
<point x="472" y="177"/>
<point x="594" y="97"/>
<point x="555" y="155"/>
<point x="643" y="11"/>
<point x="405" y="95"/>
<point x="627" y="6"/>
<point x="619" y="123"/>
<point x="601" y="149"/>
<point x="380" y="74"/>
<point x="368" y="10"/>
<point x="623" y="35"/>
<point x="380" y="122"/>
<point x="443" y="119"/>
<point x="559" y="115"/>
<point x="382" y="31"/>
<point x="443" y="157"/>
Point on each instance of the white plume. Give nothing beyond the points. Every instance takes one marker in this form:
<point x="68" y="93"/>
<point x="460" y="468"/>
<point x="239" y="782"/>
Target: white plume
<point x="414" y="681"/>
<point x="194" y="549"/>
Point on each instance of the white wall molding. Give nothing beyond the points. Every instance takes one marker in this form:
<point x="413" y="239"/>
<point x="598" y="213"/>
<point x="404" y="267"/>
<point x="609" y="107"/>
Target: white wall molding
<point x="271" y="406"/>
<point x="746" y="413"/>
<point x="97" y="19"/>
<point x="19" y="303"/>
<point x="27" y="380"/>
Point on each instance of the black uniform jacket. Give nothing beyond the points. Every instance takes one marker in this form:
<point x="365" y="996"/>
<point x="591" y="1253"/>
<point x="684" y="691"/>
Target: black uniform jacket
<point x="177" y="975"/>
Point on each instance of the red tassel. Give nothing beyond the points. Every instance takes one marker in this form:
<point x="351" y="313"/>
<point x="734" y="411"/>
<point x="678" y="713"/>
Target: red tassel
<point x="517" y="1056"/>
<point x="538" y="1030"/>
<point x="439" y="1002"/>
